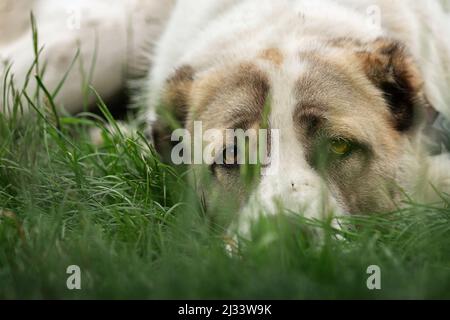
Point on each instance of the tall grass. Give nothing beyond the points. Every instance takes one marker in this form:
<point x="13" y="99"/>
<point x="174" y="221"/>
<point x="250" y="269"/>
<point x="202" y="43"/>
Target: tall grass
<point x="137" y="230"/>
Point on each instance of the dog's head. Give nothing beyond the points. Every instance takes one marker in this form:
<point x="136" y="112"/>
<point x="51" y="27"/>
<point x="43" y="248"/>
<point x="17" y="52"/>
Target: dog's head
<point x="346" y="118"/>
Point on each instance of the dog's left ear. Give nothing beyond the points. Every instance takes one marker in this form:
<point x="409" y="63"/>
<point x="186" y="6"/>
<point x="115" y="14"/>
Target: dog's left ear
<point x="173" y="108"/>
<point x="392" y="69"/>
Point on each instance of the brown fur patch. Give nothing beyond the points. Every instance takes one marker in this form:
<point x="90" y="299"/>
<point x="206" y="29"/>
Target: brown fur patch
<point x="177" y="91"/>
<point x="345" y="42"/>
<point x="231" y="97"/>
<point x="226" y="98"/>
<point x="174" y="105"/>
<point x="347" y="105"/>
<point x="368" y="97"/>
<point x="273" y="55"/>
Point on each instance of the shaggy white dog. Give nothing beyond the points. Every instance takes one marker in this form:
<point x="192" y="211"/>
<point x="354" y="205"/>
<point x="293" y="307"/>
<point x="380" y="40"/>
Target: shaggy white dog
<point x="358" y="90"/>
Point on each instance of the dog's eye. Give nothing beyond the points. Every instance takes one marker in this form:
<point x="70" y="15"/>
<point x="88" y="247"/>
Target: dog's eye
<point x="331" y="151"/>
<point x="341" y="147"/>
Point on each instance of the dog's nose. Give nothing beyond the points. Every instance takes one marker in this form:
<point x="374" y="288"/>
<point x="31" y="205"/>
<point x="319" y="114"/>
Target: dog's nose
<point x="300" y="186"/>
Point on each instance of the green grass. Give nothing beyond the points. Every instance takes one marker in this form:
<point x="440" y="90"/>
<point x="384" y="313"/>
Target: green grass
<point x="136" y="229"/>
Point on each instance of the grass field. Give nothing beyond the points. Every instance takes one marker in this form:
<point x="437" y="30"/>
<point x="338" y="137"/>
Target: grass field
<point x="136" y="230"/>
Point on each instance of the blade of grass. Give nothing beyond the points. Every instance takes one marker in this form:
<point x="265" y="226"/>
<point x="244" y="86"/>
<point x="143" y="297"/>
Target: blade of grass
<point x="51" y="101"/>
<point x="64" y="78"/>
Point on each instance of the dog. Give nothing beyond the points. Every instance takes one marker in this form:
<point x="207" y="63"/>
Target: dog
<point x="357" y="93"/>
<point x="351" y="94"/>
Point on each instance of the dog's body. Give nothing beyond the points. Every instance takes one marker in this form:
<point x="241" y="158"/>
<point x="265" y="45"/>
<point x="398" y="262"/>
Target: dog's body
<point x="357" y="80"/>
<point x="116" y="35"/>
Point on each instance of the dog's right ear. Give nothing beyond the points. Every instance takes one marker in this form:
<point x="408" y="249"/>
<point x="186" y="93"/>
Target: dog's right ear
<point x="391" y="68"/>
<point x="176" y="94"/>
<point x="173" y="108"/>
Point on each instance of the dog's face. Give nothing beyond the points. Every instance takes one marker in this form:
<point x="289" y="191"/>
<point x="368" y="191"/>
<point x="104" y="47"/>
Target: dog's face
<point x="346" y="116"/>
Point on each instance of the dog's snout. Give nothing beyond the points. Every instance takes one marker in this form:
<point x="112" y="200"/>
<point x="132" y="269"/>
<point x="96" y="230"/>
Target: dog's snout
<point x="299" y="187"/>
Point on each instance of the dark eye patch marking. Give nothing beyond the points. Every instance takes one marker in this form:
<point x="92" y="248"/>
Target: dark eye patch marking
<point x="310" y="122"/>
<point x="231" y="98"/>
